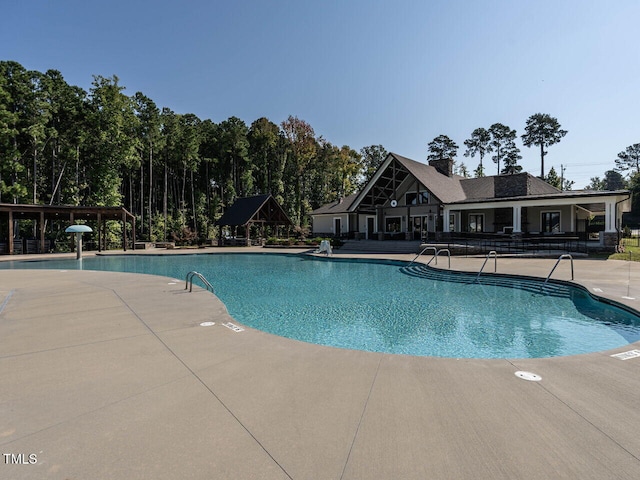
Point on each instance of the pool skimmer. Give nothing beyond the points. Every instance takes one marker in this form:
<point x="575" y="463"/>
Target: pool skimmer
<point x="531" y="377"/>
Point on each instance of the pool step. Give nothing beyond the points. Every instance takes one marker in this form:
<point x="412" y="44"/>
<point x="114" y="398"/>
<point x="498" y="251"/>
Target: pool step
<point x="533" y="286"/>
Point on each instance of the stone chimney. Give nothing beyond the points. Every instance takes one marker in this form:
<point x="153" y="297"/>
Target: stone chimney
<point x="512" y="185"/>
<point x="444" y="166"/>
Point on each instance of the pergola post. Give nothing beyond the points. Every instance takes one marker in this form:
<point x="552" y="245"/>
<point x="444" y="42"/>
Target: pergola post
<point x="42" y="231"/>
<point x="124" y="231"/>
<point x="99" y="232"/>
<point x="104" y="234"/>
<point x="73" y="245"/>
<point x="133" y="233"/>
<point x="10" y="232"/>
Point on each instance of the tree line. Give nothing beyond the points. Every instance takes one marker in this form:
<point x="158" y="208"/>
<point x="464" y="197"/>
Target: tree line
<point x="541" y="130"/>
<point x="60" y="144"/>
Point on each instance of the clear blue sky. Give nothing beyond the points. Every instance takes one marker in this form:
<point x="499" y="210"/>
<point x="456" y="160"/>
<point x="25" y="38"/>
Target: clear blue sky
<point x="396" y="73"/>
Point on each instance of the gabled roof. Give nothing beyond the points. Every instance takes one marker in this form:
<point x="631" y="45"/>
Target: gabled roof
<point x="339" y="206"/>
<point x="452" y="189"/>
<point x="257" y="209"/>
<point x="447" y="189"/>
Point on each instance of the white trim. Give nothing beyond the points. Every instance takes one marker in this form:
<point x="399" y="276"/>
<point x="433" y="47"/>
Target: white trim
<point x="539" y="202"/>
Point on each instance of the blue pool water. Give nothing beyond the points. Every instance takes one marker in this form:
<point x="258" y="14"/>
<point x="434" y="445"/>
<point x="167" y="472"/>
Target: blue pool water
<point x="376" y="306"/>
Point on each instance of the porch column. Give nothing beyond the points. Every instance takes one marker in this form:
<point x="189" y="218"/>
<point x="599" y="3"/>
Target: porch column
<point x="445" y="220"/>
<point x="517" y="219"/>
<point x="573" y="219"/>
<point x="610" y="216"/>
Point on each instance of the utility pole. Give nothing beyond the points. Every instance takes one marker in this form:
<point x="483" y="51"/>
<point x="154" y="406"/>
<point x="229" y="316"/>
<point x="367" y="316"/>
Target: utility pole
<point x="562" y="169"/>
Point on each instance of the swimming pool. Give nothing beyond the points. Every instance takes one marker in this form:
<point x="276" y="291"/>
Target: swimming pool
<point x="380" y="306"/>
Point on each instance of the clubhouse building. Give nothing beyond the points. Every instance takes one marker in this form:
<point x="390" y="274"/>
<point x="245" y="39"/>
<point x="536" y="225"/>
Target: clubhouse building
<point x="410" y="200"/>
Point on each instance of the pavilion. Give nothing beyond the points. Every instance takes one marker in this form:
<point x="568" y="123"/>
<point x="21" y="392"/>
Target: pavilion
<point x="261" y="210"/>
<point x="11" y="212"/>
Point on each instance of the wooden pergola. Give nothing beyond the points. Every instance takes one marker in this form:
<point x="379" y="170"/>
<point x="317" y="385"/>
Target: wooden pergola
<point x="71" y="214"/>
<point x="257" y="210"/>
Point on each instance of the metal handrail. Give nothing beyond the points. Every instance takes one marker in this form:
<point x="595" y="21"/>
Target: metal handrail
<point x="429" y="247"/>
<point x="493" y="254"/>
<point x="189" y="281"/>
<point x="438" y="253"/>
<point x="560" y="258"/>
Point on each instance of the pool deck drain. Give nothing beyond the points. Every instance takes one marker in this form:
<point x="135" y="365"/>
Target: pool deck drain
<point x="108" y="375"/>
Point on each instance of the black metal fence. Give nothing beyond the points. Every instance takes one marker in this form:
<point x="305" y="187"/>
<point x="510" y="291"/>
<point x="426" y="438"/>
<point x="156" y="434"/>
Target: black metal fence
<point x="467" y="245"/>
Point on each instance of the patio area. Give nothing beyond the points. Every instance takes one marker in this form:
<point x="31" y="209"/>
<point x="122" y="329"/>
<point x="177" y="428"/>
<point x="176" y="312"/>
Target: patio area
<point x="111" y="375"/>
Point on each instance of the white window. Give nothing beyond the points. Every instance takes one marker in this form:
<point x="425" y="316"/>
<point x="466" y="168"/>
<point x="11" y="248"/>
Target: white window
<point x="393" y="224"/>
<point x="550" y="222"/>
<point x="476" y="222"/>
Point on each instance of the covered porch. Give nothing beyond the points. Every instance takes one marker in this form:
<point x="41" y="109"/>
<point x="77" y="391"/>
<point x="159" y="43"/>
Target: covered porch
<point x="582" y="216"/>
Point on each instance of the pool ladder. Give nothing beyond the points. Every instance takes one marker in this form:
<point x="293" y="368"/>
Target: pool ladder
<point x="493" y="254"/>
<point x="436" y="253"/>
<point x="560" y="258"/>
<point x="189" y="281"/>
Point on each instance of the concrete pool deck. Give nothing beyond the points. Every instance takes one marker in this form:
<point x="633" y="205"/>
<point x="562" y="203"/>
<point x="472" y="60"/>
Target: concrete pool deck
<point x="110" y="375"/>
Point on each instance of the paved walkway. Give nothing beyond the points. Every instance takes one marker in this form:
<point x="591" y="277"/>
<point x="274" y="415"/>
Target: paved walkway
<point x="110" y="376"/>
